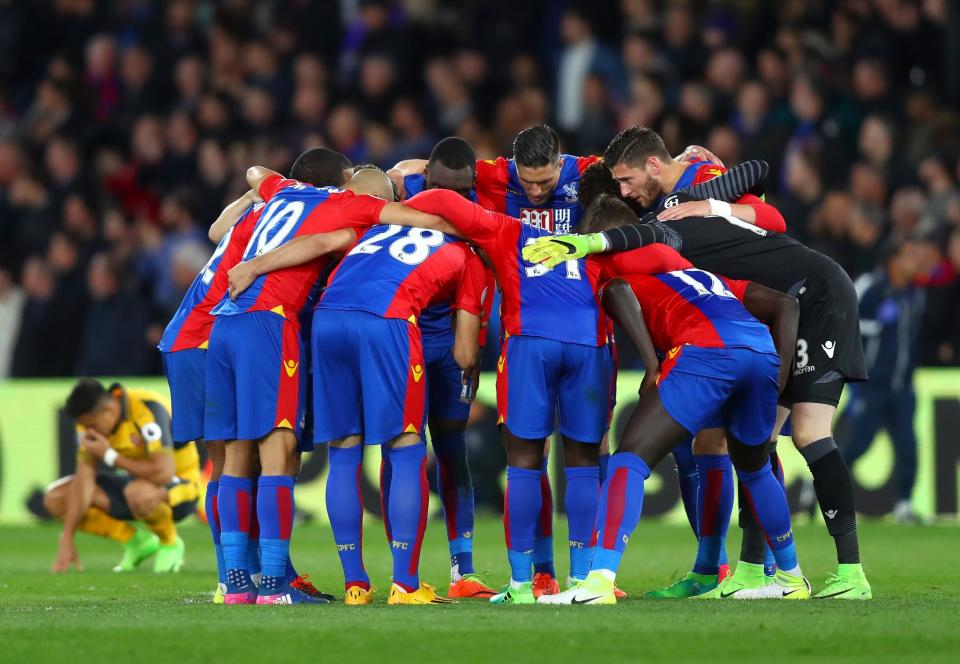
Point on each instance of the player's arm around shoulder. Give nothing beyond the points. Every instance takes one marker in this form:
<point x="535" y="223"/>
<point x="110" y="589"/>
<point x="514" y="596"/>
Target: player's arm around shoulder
<point x="781" y="313"/>
<point x="401" y="214"/>
<point x="231" y="215"/>
<point x="297" y="251"/>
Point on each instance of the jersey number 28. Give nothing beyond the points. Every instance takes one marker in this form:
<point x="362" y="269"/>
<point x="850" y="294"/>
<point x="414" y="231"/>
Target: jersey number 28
<point x="412" y="248"/>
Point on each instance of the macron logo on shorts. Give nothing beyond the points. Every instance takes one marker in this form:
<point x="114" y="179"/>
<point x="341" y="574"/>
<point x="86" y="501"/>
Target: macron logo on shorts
<point x="291" y="367"/>
<point x="829" y="347"/>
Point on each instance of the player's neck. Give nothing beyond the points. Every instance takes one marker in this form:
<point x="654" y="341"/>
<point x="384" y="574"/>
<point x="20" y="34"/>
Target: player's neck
<point x="670" y="175"/>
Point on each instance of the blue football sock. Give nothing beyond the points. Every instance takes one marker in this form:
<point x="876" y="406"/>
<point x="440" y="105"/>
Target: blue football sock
<point x="543" y="536"/>
<point x="275" y="513"/>
<point x="234" y="503"/>
<point x="582" y="499"/>
<point x="689" y="481"/>
<point x="604" y="462"/>
<point x="213" y="520"/>
<point x="523" y="506"/>
<point x="769" y="562"/>
<point x="715" y="502"/>
<point x="621" y="501"/>
<point x="386" y="473"/>
<point x="769" y="504"/>
<point x="455" y="487"/>
<point x="345" y="510"/>
<point x="409" y="494"/>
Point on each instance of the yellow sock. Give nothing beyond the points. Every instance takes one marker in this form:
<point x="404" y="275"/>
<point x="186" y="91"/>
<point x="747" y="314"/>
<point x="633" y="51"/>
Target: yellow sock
<point x="160" y="521"/>
<point x="97" y="522"/>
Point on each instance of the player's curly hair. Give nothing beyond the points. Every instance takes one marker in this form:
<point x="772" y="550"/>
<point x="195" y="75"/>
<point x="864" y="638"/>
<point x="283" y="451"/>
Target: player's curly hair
<point x="596" y="181"/>
<point x="633" y="146"/>
<point x="85" y="396"/>
<point x="606" y="212"/>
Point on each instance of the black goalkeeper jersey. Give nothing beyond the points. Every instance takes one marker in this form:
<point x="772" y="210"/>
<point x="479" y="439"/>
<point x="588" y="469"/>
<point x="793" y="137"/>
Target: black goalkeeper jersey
<point x="730" y="247"/>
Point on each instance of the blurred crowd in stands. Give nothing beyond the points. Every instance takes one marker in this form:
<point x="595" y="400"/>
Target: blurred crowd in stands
<point x="126" y="125"/>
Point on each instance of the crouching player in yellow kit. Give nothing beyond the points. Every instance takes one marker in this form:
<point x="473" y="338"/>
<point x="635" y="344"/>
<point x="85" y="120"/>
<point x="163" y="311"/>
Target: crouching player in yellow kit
<point x="127" y="470"/>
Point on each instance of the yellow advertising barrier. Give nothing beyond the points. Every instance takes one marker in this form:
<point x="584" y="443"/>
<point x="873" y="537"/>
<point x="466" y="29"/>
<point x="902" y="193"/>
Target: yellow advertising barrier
<point x="37" y="445"/>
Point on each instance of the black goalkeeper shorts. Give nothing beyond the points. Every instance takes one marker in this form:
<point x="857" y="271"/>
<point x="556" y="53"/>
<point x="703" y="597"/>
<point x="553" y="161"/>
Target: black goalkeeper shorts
<point x="829" y="349"/>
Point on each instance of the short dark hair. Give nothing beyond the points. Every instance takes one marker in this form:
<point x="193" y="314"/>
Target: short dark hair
<point x="633" y="146"/>
<point x="594" y="182"/>
<point x="454" y="153"/>
<point x="535" y="147"/>
<point x="85" y="396"/>
<point x="604" y="213"/>
<point x="321" y="167"/>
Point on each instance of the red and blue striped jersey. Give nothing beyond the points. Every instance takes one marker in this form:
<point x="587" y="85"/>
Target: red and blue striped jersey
<point x="293" y="209"/>
<point x="396" y="271"/>
<point x="435" y="322"/>
<point x="695" y="307"/>
<point x="559" y="304"/>
<point x="190" y="325"/>
<point x="498" y="189"/>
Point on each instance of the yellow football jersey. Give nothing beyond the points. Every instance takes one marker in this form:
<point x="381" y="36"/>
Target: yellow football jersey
<point x="144" y="430"/>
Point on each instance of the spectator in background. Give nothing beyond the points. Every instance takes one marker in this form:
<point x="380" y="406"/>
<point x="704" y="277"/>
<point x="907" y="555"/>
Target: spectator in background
<point x="115" y="333"/>
<point x="582" y="56"/>
<point x="39" y="350"/>
<point x="11" y="308"/>
<point x="891" y="310"/>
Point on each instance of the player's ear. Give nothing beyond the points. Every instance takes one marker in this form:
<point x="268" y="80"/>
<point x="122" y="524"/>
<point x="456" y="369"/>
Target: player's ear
<point x="653" y="165"/>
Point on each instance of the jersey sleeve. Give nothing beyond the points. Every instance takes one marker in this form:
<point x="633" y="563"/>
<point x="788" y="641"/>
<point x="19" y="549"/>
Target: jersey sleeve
<point x="474" y="223"/>
<point x="583" y="163"/>
<point x="362" y="211"/>
<point x="768" y="217"/>
<point x="272" y="184"/>
<point x="472" y="285"/>
<point x="153" y="424"/>
<point x="652" y="259"/>
<point x="490" y="285"/>
<point x="736" y="286"/>
<point x="491" y="183"/>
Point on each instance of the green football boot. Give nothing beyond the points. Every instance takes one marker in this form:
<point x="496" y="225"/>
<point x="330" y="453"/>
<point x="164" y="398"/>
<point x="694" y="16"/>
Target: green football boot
<point x="169" y="557"/>
<point x="848" y="583"/>
<point x="746" y="582"/>
<point x="521" y="593"/>
<point x="691" y="585"/>
<point x="140" y="547"/>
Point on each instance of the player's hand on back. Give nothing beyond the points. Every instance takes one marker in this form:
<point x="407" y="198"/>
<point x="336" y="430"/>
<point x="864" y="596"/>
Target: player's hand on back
<point x="551" y="251"/>
<point x="67" y="556"/>
<point x="684" y="210"/>
<point x="699" y="153"/>
<point x="240" y="277"/>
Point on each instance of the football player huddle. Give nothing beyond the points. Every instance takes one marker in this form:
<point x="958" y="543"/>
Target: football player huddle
<point x="348" y="308"/>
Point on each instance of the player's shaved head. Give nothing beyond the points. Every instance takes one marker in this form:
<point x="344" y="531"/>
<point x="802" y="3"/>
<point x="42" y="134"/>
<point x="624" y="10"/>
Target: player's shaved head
<point x="452" y="165"/>
<point x="321" y="167"/>
<point x="371" y="180"/>
<point x="633" y="146"/>
<point x="604" y="213"/>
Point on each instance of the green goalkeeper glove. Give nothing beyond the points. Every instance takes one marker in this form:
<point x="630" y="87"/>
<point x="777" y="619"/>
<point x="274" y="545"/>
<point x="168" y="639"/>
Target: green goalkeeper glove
<point x="551" y="251"/>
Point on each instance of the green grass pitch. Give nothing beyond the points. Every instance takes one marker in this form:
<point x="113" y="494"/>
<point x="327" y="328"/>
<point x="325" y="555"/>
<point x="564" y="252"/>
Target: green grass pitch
<point x="100" y="616"/>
